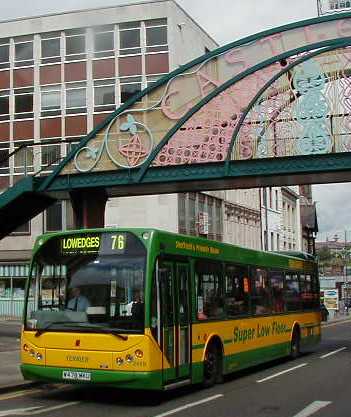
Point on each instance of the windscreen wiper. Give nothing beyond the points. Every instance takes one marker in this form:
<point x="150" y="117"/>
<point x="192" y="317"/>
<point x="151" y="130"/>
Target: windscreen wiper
<point x="86" y="326"/>
<point x="108" y="330"/>
<point x="43" y="329"/>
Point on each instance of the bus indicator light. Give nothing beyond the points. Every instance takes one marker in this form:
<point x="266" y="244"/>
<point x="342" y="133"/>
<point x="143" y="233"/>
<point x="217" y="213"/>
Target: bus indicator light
<point x="139" y="353"/>
<point x="129" y="358"/>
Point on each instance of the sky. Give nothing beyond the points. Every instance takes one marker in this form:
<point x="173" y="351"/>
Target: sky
<point x="226" y="21"/>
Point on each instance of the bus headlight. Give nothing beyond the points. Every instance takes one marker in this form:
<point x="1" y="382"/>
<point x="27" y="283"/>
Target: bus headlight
<point x="32" y="353"/>
<point x="119" y="361"/>
<point x="39" y="356"/>
<point x="25" y="348"/>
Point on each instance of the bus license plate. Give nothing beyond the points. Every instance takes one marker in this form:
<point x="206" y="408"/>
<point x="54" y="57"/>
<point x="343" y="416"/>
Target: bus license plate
<point x="76" y="375"/>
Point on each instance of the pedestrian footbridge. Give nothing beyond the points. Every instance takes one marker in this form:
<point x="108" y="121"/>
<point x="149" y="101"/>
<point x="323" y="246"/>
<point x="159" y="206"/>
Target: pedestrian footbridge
<point x="271" y="109"/>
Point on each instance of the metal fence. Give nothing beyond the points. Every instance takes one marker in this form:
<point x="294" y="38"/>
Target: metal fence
<point x="13" y="308"/>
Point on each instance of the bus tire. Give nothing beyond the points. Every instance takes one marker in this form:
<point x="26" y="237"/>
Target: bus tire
<point x="212" y="366"/>
<point x="295" y="344"/>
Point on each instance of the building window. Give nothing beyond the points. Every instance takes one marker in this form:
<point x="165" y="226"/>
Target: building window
<point x="129" y="87"/>
<point x="192" y="214"/>
<point x="24" y="103"/>
<point x="24" y="229"/>
<point x="156" y="35"/>
<point x="272" y="241"/>
<point x="182" y="213"/>
<point x="75" y="44"/>
<point x="4" y="158"/>
<point x="50" y="100"/>
<point x="104" y="95"/>
<point x="72" y="144"/>
<point x="276" y="200"/>
<point x="23" y="53"/>
<point x="210" y="217"/>
<point x="218" y="220"/>
<point x="152" y="79"/>
<point x="104" y="44"/>
<point x="270" y="198"/>
<point x="76" y="98"/>
<point x="4" y="53"/>
<point x="50" y="48"/>
<point x="53" y="217"/>
<point x="24" y="157"/>
<point x="4" y="105"/>
<point x="129" y="38"/>
<point x="50" y="156"/>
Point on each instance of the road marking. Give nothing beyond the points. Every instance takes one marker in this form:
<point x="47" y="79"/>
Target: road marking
<point x="18" y="411"/>
<point x="19" y="394"/>
<point x="282" y="372"/>
<point x="312" y="408"/>
<point x="30" y="411"/>
<point x="337" y="323"/>
<point x="186" y="406"/>
<point x="333" y="353"/>
<point x="29" y="391"/>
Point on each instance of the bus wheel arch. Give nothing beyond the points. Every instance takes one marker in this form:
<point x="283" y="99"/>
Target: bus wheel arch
<point x="213" y="361"/>
<point x="295" y="341"/>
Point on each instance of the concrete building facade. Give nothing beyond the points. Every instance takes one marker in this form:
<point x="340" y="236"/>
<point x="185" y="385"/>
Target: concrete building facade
<point x="60" y="76"/>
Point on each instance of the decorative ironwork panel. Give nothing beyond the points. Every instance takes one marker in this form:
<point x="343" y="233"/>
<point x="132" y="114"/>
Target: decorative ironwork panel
<point x="306" y="111"/>
<point x="194" y="114"/>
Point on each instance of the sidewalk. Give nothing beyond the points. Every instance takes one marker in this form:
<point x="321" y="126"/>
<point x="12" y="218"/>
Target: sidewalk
<point x="11" y="377"/>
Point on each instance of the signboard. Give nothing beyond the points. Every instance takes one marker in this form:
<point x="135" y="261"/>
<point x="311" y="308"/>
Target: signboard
<point x="331" y="299"/>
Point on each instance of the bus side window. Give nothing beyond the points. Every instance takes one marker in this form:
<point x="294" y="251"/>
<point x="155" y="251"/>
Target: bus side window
<point x="292" y="292"/>
<point x="260" y="293"/>
<point x="276" y="279"/>
<point x="209" y="286"/>
<point x="236" y="298"/>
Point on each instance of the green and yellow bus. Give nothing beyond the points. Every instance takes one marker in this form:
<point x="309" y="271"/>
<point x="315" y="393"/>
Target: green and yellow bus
<point x="144" y="308"/>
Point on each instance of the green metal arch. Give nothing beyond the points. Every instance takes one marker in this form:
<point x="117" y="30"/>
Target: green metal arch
<point x="267" y="85"/>
<point x="332" y="44"/>
<point x="187" y="66"/>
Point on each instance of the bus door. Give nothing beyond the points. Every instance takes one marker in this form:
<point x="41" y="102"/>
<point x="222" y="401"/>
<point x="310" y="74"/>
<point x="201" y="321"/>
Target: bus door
<point x="175" y="320"/>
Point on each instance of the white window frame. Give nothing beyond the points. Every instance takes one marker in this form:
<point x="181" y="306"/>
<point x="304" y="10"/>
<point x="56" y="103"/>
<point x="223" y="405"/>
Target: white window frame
<point x="130" y="51"/>
<point x="73" y="87"/>
<point x="24" y="62"/>
<point x="106" y="82"/>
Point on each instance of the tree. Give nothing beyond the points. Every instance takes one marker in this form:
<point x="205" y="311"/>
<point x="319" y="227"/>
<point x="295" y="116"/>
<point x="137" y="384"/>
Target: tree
<point x="324" y="254"/>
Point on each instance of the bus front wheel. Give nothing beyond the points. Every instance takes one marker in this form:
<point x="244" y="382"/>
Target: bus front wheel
<point x="212" y="366"/>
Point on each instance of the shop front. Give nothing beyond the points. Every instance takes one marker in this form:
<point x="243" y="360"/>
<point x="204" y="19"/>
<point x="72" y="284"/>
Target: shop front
<point x="12" y="287"/>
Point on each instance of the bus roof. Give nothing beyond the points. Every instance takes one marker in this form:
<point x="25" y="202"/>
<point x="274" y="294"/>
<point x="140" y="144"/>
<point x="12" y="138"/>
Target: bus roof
<point x="246" y="253"/>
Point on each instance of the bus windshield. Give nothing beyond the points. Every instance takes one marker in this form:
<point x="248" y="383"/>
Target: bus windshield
<point x="88" y="282"/>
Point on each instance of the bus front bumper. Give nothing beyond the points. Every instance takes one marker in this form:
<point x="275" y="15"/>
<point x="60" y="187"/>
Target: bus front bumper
<point x="118" y="379"/>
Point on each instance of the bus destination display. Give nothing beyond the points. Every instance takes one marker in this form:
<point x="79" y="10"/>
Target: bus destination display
<point x="106" y="243"/>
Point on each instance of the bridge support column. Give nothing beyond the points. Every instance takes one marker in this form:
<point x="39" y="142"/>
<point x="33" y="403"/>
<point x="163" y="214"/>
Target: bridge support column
<point x="89" y="208"/>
